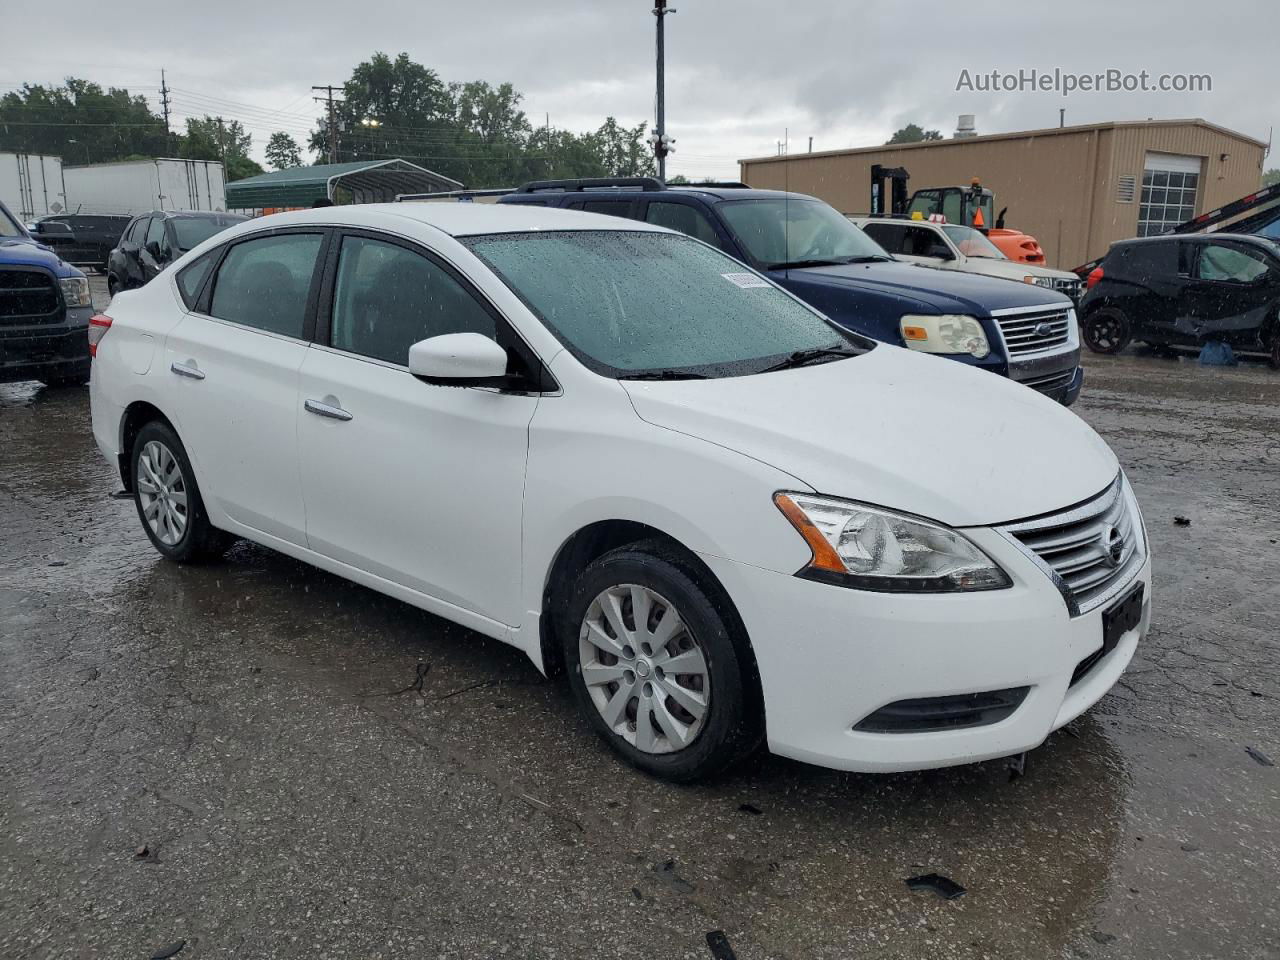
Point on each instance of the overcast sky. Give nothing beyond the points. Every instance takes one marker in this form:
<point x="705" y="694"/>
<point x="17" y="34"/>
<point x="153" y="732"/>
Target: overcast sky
<point x="739" y="73"/>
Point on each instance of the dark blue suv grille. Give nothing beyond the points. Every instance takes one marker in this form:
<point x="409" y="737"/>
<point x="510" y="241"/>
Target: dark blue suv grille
<point x="28" y="297"/>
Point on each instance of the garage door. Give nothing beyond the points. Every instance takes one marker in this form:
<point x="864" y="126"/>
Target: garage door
<point x="1169" y="185"/>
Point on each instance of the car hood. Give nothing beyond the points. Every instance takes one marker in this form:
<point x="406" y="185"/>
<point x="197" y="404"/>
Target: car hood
<point x="946" y="291"/>
<point x="1008" y="270"/>
<point x="20" y="251"/>
<point x="898" y="429"/>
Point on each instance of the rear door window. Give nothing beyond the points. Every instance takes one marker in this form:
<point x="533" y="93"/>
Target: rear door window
<point x="888" y="235"/>
<point x="265" y="283"/>
<point x="682" y="217"/>
<point x="1146" y="261"/>
<point x="191" y="279"/>
<point x="138" y="231"/>
<point x="155" y="232"/>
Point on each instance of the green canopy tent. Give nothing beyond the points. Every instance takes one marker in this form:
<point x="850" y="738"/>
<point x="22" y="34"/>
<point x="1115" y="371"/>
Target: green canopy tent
<point x="364" y="181"/>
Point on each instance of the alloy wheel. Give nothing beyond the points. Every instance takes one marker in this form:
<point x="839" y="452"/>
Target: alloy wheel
<point x="1106" y="332"/>
<point x="162" y="492"/>
<point x="644" y="670"/>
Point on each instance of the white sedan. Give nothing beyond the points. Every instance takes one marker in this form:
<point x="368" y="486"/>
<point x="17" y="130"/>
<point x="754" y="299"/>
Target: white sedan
<point x="727" y="520"/>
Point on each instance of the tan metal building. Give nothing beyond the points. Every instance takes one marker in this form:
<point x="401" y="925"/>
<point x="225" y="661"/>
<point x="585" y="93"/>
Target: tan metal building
<point x="1075" y="189"/>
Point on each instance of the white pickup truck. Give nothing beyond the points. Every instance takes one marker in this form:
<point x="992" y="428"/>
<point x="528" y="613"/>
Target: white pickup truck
<point x="953" y="246"/>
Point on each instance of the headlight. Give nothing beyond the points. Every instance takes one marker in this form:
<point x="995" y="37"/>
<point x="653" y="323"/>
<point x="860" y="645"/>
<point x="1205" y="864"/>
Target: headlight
<point x="75" y="291"/>
<point x="1041" y="281"/>
<point x="945" y="333"/>
<point x="874" y="549"/>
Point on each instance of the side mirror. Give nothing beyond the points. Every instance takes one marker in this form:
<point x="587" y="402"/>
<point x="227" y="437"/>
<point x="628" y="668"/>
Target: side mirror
<point x="153" y="248"/>
<point x="459" y="360"/>
<point x="52" y="231"/>
<point x="939" y="251"/>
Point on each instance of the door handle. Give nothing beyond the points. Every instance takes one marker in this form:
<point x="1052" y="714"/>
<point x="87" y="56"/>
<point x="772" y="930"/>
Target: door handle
<point x="322" y="409"/>
<point x="189" y="370"/>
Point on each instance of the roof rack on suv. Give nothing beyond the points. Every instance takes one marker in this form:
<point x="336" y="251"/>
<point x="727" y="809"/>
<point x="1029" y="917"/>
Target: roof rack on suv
<point x="715" y="185"/>
<point x="590" y="183"/>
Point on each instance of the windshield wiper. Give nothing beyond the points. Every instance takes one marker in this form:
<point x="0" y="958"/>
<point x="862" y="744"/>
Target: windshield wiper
<point x="798" y="264"/>
<point x="665" y="375"/>
<point x="870" y="258"/>
<point x="803" y="357"/>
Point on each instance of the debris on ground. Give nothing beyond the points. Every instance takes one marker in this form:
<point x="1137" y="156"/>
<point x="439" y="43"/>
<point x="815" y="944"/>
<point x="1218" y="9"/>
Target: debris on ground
<point x="944" y="887"/>
<point x="1216" y="353"/>
<point x="1258" y="755"/>
<point x="1017" y="766"/>
<point x="142" y="851"/>
<point x="1189" y="848"/>
<point x="749" y="808"/>
<point x="719" y="945"/>
<point x="1101" y="937"/>
<point x="667" y="871"/>
<point x="1182" y="521"/>
<point x="171" y="950"/>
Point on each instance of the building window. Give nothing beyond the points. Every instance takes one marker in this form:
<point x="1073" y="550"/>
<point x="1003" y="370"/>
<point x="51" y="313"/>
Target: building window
<point x="1169" y="186"/>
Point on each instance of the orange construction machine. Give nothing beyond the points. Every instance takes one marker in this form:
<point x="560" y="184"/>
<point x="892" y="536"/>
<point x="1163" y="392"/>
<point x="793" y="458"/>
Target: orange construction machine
<point x="972" y="206"/>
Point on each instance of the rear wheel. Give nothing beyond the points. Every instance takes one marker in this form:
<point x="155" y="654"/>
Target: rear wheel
<point x="656" y="667"/>
<point x="1274" y="359"/>
<point x="168" y="498"/>
<point x="1106" y="330"/>
<point x="113" y="285"/>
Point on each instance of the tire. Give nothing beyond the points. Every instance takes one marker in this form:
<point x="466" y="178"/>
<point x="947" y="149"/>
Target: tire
<point x="1273" y="361"/>
<point x="179" y="530"/>
<point x="113" y="285"/>
<point x="1106" y="330"/>
<point x="658" y="726"/>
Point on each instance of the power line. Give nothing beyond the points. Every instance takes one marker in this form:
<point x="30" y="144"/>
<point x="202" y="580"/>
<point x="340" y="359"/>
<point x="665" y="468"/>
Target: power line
<point x="333" y="121"/>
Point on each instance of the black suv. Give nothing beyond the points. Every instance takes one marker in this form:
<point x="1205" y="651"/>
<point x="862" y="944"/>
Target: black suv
<point x="154" y="240"/>
<point x="95" y="236"/>
<point x="1184" y="291"/>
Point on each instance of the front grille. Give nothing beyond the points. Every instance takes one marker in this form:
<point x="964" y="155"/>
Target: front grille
<point x="1091" y="549"/>
<point x="1035" y="331"/>
<point x="28" y="297"/>
<point x="1069" y="287"/>
<point x="1050" y="384"/>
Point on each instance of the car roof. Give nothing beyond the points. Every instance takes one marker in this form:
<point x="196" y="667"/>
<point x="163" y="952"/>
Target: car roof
<point x="1195" y="237"/>
<point x="461" y="219"/>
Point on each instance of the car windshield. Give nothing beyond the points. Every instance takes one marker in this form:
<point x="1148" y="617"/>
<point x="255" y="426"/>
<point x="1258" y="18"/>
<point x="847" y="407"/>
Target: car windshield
<point x="193" y="231"/>
<point x="973" y="243"/>
<point x="780" y="232"/>
<point x="630" y="303"/>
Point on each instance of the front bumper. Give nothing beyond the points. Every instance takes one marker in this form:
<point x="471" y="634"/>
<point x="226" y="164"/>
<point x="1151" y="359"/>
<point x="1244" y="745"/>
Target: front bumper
<point x="830" y="656"/>
<point x="46" y="352"/>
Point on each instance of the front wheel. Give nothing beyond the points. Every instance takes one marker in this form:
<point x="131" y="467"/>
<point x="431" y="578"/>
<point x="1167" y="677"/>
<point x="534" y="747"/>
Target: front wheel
<point x="1106" y="330"/>
<point x="113" y="285"/>
<point x="168" y="499"/>
<point x="656" y="666"/>
<point x="1274" y="360"/>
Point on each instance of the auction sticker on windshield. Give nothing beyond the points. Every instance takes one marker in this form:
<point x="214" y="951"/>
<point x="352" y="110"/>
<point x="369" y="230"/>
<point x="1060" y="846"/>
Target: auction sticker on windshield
<point x="745" y="280"/>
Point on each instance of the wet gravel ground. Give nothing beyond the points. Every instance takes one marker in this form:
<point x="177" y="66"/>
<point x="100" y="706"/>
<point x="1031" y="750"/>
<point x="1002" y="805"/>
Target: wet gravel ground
<point x="262" y="760"/>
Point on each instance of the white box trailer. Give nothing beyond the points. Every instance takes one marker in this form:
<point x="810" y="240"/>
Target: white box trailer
<point x="31" y="184"/>
<point x="140" y="186"/>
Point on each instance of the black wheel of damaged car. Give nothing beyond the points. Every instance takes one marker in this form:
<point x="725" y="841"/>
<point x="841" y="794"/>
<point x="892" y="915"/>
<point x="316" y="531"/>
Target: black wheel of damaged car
<point x="1106" y="330"/>
<point x="1274" y="360"/>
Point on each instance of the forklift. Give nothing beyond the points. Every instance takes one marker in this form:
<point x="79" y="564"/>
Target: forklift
<point x="972" y="206"/>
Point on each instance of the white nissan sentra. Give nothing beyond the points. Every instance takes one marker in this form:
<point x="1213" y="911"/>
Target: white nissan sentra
<point x="726" y="520"/>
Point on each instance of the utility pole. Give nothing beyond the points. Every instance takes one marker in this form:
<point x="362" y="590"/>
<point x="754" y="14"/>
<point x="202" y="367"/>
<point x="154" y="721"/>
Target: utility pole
<point x="1062" y="116"/>
<point x="164" y="107"/>
<point x="811" y="144"/>
<point x="333" y="120"/>
<point x="222" y="145"/>
<point x="661" y="142"/>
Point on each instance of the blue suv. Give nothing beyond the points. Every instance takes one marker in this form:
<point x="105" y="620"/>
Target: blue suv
<point x="44" y="310"/>
<point x="1018" y="330"/>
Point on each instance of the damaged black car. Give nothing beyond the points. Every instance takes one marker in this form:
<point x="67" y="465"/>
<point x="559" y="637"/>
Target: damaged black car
<point x="1186" y="291"/>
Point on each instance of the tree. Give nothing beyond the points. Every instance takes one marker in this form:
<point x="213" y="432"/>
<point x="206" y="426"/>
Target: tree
<point x="474" y="132"/>
<point x="213" y="138"/>
<point x="283" y="151"/>
<point x="80" y="122"/>
<point x="913" y="133"/>
<point x="1271" y="177"/>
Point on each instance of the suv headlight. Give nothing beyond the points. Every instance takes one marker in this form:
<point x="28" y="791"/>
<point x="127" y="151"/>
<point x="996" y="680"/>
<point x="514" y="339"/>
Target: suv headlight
<point x="944" y="333"/>
<point x="874" y="549"/>
<point x="75" y="291"/>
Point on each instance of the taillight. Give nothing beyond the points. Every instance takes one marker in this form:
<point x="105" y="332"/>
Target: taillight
<point x="1094" y="276"/>
<point x="99" y="324"/>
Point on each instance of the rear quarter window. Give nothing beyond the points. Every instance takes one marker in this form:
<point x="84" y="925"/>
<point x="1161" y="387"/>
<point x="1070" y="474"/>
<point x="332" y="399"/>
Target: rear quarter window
<point x="191" y="278"/>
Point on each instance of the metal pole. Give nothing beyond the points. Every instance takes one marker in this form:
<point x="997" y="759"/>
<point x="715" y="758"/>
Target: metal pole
<point x="660" y="11"/>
